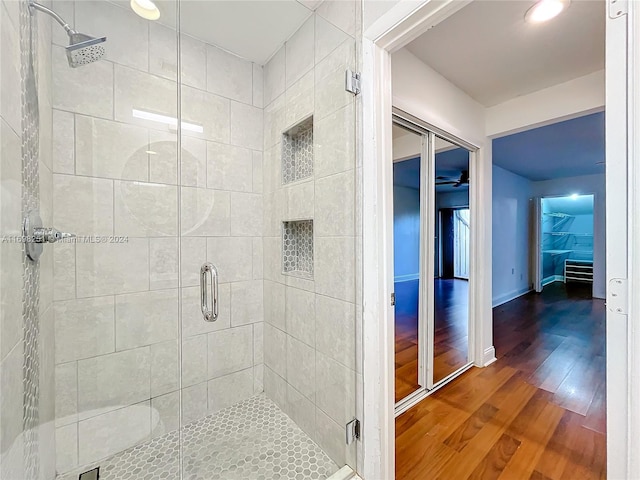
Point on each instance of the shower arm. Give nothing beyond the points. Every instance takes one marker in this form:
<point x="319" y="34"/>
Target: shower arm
<point x="52" y="14"/>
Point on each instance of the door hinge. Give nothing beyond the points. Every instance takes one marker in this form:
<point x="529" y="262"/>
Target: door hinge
<point x="617" y="296"/>
<point x="618" y="8"/>
<point x="352" y="81"/>
<point x="353" y="431"/>
<point x="393" y="299"/>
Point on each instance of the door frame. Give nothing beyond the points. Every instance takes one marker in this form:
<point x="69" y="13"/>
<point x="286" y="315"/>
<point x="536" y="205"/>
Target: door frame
<point x="404" y="22"/>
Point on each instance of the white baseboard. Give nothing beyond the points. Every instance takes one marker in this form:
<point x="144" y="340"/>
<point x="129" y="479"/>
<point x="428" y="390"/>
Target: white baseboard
<point x="510" y="296"/>
<point x="406" y="278"/>
<point x="489" y="356"/>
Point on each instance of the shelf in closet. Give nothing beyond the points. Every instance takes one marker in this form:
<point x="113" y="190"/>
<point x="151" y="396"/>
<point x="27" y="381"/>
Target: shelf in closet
<point x="557" y="252"/>
<point x="561" y="234"/>
<point x="558" y="214"/>
<point x="578" y="270"/>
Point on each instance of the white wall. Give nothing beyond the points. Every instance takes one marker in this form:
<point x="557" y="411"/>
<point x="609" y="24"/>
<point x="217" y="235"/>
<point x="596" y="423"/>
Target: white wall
<point x="511" y="237"/>
<point x="586" y="184"/>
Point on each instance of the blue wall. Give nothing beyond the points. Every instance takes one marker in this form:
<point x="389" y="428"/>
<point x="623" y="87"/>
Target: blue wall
<point x="406" y="232"/>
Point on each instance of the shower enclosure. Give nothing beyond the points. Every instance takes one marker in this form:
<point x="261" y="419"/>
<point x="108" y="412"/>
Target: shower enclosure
<point x="182" y="300"/>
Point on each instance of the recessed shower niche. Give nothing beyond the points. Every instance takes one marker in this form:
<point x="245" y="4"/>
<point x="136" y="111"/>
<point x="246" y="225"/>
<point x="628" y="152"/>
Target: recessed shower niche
<point x="297" y="152"/>
<point x="297" y="248"/>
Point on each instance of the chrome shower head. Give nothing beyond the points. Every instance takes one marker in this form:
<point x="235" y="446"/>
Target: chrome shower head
<point x="84" y="49"/>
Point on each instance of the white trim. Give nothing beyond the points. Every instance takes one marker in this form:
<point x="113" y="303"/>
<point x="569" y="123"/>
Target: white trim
<point x="507" y="297"/>
<point x="489" y="356"/>
<point x="634" y="243"/>
<point x="617" y="220"/>
<point x="345" y="473"/>
<point x="427" y="264"/>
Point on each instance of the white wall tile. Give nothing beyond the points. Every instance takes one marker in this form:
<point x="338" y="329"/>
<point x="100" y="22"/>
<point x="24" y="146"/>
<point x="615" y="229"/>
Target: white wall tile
<point x="335" y="205"/>
<point x="206" y="109"/>
<point x="164" y="367"/>
<point x="274" y="304"/>
<point x="87" y="90"/>
<point x="257" y="171"/>
<point x="275" y="122"/>
<point x="127" y="33"/>
<point x="229" y="167"/>
<point x="246" y="302"/>
<point x="112" y="381"/>
<point x="84" y="328"/>
<point x="11" y="404"/>
<point x="146" y="318"/>
<point x="10" y="103"/>
<point x="63" y="142"/>
<point x="104" y="435"/>
<point x="66" y="447"/>
<point x="274" y="77"/>
<point x="163" y="56"/>
<point x="163" y="263"/>
<point x="111" y="150"/>
<point x="334" y="267"/>
<point x="194" y="162"/>
<point x="232" y="256"/>
<point x="336" y="329"/>
<point x="273" y="259"/>
<point x="341" y="13"/>
<point x="230" y="350"/>
<point x="335" y="389"/>
<point x="163" y="162"/>
<point x="194" y="360"/>
<point x="258" y="343"/>
<point x="275" y="350"/>
<point x="11" y="321"/>
<point x="192" y="321"/>
<point x="301" y="315"/>
<point x="302" y="411"/>
<point x="258" y="378"/>
<point x="83" y="205"/>
<point x="229" y="76"/>
<point x="334" y="142"/>
<point x="66" y="397"/>
<point x="194" y="254"/>
<point x="330" y="437"/>
<point x="330" y="92"/>
<point x="205" y="212"/>
<point x="165" y="415"/>
<point x="258" y="86"/>
<point x="300" y="52"/>
<point x="276" y="388"/>
<point x="246" y="126"/>
<point x="194" y="403"/>
<point x="328" y="38"/>
<point x="141" y="91"/>
<point x="110" y="268"/>
<point x="246" y="214"/>
<point x="145" y="209"/>
<point x="300" y="200"/>
<point x="300" y="371"/>
<point x="300" y="100"/>
<point x="230" y="389"/>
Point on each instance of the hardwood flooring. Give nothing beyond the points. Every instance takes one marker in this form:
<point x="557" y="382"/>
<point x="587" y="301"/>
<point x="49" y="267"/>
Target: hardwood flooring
<point x="450" y="334"/>
<point x="538" y="412"/>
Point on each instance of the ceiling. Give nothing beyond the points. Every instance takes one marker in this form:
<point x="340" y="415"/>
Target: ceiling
<point x="252" y="29"/>
<point x="572" y="205"/>
<point x="449" y="163"/>
<point x="488" y="50"/>
<point x="565" y="149"/>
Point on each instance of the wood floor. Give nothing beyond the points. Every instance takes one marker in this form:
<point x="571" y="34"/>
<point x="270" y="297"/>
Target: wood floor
<point x="537" y="413"/>
<point x="450" y="334"/>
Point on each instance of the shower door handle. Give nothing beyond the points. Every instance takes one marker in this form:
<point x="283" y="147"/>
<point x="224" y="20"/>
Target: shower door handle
<point x="209" y="280"/>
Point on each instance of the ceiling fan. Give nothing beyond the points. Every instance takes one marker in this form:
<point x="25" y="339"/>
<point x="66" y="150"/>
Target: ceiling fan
<point x="456" y="182"/>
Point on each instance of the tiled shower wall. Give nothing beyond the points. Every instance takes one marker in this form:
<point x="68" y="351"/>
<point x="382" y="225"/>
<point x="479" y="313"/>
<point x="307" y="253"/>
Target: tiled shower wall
<point x="310" y="323"/>
<point x="26" y="329"/>
<point x="116" y="304"/>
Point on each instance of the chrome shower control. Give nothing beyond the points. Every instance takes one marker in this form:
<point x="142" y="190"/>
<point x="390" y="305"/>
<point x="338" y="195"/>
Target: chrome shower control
<point x="35" y="235"/>
<point x="49" y="235"/>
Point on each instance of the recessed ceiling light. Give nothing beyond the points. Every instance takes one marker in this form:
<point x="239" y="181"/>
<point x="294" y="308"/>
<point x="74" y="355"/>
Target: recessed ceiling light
<point x="545" y="10"/>
<point x="146" y="9"/>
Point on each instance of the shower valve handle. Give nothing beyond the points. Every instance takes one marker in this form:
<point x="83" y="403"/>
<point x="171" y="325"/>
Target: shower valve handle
<point x="49" y="235"/>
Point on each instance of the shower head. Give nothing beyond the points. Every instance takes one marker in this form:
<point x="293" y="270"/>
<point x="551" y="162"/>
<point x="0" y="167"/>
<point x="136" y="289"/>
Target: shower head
<point x="82" y="48"/>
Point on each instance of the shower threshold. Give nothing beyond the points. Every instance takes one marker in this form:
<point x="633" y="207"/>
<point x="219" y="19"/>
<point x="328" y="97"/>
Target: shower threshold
<point x="252" y="440"/>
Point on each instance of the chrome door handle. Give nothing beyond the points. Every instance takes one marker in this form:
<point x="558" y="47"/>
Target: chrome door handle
<point x="210" y="271"/>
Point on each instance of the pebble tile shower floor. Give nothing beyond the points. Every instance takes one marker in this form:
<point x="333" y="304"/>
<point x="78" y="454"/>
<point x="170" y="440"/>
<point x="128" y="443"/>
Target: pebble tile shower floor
<point x="252" y="440"/>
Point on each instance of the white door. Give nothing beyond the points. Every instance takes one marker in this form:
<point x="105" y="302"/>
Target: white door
<point x="461" y="235"/>
<point x="536" y="242"/>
